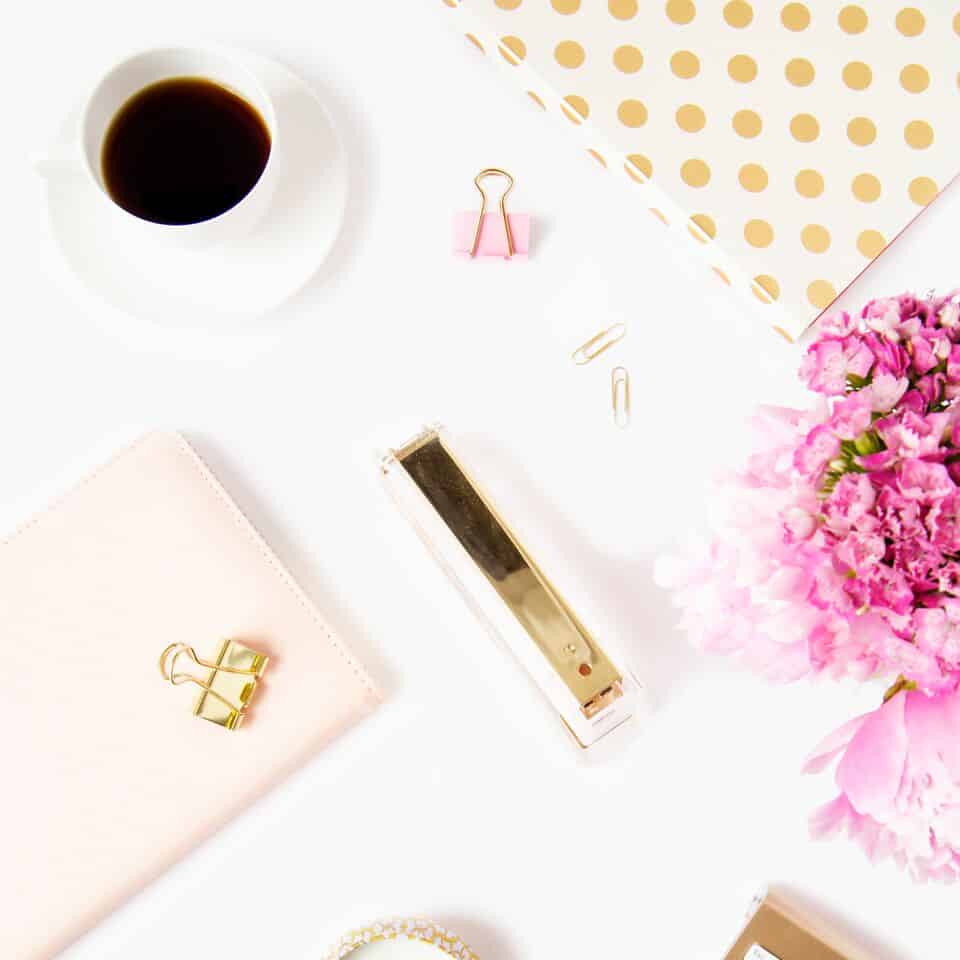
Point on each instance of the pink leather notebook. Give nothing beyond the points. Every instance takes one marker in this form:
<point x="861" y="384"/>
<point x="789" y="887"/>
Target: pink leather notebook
<point x="108" y="777"/>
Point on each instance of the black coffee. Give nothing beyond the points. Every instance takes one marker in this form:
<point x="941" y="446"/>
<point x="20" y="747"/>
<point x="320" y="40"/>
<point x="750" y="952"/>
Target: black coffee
<point x="183" y="150"/>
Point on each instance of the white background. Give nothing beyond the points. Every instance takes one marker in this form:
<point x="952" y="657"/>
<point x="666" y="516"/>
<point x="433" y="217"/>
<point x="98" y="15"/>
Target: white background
<point x="460" y="799"/>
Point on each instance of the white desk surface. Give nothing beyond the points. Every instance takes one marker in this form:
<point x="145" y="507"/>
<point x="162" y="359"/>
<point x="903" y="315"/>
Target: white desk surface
<point x="458" y="800"/>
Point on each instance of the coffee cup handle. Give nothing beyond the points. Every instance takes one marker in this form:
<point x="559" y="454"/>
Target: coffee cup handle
<point x="59" y="159"/>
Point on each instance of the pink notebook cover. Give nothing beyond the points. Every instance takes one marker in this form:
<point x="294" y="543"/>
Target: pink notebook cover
<point x="108" y="778"/>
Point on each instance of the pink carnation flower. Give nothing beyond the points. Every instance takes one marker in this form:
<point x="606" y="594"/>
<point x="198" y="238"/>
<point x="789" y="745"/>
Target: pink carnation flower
<point x="943" y="523"/>
<point x="829" y="363"/>
<point x="819" y="447"/>
<point x="889" y="357"/>
<point x="937" y="633"/>
<point x="851" y="505"/>
<point x="836" y="326"/>
<point x="887" y="319"/>
<point x="921" y="480"/>
<point x="852" y="415"/>
<point x="886" y="390"/>
<point x="910" y="435"/>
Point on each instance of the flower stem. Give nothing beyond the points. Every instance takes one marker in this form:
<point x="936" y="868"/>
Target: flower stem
<point x="902" y="684"/>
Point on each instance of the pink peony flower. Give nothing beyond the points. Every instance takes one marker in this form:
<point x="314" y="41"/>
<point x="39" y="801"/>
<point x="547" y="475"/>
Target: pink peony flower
<point x="899" y="780"/>
<point x="840" y="554"/>
<point x="798" y="524"/>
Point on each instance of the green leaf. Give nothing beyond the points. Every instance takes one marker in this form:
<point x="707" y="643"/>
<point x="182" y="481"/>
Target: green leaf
<point x="868" y="443"/>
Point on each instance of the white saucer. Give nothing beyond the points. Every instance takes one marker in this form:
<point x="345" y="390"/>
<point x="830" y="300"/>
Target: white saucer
<point x="243" y="279"/>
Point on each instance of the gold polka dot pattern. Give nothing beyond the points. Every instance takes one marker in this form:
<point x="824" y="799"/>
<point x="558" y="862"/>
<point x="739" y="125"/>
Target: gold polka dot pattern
<point x="853" y="19"/>
<point x="795" y="16"/>
<point x="815" y="238"/>
<point x="758" y="233"/>
<point x="681" y="11"/>
<point x="871" y="243"/>
<point x="639" y="167"/>
<point x="576" y="108"/>
<point x="800" y="72"/>
<point x="742" y="68"/>
<point x="919" y="134"/>
<point x="922" y="191"/>
<point x="704" y="225"/>
<point x="911" y="21"/>
<point x="866" y="187"/>
<point x="914" y="78"/>
<point x="632" y="113"/>
<point x="862" y="131"/>
<point x="821" y="293"/>
<point x="766" y="288"/>
<point x="695" y="173"/>
<point x="747" y="123"/>
<point x="691" y="118"/>
<point x="857" y="75"/>
<point x="805" y="128"/>
<point x="738" y="14"/>
<point x="512" y="49"/>
<point x="790" y="140"/>
<point x="570" y="54"/>
<point x="753" y="177"/>
<point x="623" y="9"/>
<point x="685" y="64"/>
<point x="627" y="59"/>
<point x="809" y="183"/>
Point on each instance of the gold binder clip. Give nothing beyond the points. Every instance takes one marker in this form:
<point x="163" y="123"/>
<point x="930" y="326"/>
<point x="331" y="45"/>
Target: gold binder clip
<point x="493" y="172"/>
<point x="620" y="390"/>
<point x="228" y="688"/>
<point x="604" y="340"/>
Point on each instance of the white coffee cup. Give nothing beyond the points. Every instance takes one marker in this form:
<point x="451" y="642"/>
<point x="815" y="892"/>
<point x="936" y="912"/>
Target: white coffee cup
<point x="129" y="77"/>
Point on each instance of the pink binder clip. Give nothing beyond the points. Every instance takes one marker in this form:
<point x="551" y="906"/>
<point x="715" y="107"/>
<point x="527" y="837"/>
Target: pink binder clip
<point x="487" y="235"/>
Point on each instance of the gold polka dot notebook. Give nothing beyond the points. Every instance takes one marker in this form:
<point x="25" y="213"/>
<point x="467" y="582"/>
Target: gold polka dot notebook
<point x="790" y="143"/>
